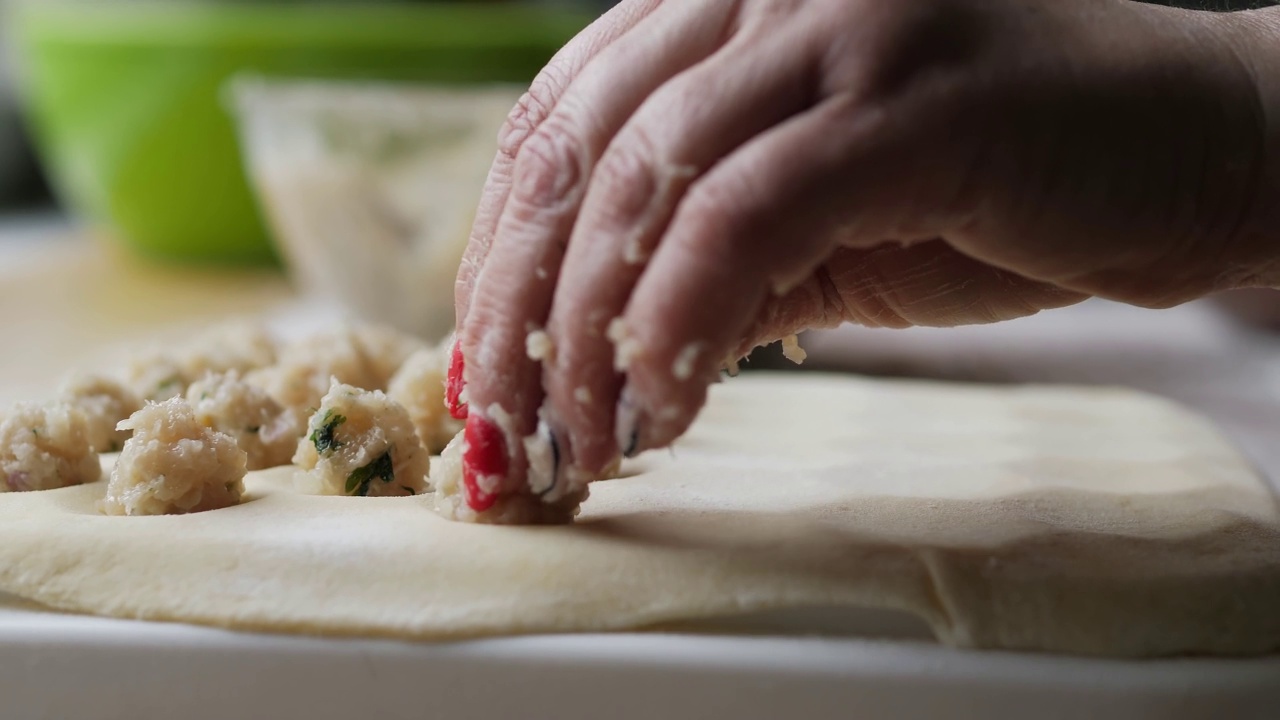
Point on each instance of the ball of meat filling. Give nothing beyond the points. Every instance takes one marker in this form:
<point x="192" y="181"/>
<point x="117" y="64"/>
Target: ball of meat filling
<point x="361" y="443"/>
<point x="419" y="387"/>
<point x="155" y="376"/>
<point x="233" y="347"/>
<point x="104" y="402"/>
<point x="174" y="465"/>
<point x="159" y="374"/>
<point x="43" y="447"/>
<point x="385" y="350"/>
<point x="301" y="375"/>
<point x="264" y="430"/>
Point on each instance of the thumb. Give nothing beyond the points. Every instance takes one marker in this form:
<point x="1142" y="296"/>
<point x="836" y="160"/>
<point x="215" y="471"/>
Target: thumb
<point x="928" y="284"/>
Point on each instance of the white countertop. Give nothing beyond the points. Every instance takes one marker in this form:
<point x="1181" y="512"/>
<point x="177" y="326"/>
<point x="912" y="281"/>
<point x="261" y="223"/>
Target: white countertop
<point x="88" y="298"/>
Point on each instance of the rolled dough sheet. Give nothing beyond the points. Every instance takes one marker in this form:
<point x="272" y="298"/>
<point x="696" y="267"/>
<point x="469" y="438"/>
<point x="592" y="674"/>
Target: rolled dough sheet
<point x="1089" y="521"/>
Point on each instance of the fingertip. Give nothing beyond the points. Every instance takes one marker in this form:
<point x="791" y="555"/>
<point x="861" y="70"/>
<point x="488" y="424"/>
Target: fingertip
<point x="653" y="412"/>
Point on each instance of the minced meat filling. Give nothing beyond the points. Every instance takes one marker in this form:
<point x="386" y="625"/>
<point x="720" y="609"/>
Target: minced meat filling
<point x="361" y="443"/>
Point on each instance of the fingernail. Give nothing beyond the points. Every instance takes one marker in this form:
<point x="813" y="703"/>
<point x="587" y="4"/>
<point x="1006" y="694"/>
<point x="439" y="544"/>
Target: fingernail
<point x="454" y="385"/>
<point x="627" y="426"/>
<point x="543" y="452"/>
<point x="484" y="462"/>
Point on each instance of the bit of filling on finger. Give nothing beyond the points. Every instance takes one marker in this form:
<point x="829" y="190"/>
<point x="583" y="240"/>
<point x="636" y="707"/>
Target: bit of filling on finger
<point x="472" y="482"/>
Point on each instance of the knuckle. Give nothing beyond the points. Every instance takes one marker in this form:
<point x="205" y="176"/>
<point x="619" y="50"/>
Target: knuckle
<point x="548" y="169"/>
<point x="714" y="208"/>
<point x="707" y="226"/>
<point x="627" y="180"/>
<point x="531" y="110"/>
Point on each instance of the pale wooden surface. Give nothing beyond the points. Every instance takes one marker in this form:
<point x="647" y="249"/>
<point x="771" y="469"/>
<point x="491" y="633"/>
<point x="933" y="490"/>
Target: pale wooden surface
<point x="69" y="302"/>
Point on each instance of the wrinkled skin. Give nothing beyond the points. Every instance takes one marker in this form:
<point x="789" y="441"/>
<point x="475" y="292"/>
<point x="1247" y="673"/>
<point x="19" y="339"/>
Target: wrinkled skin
<point x="723" y="173"/>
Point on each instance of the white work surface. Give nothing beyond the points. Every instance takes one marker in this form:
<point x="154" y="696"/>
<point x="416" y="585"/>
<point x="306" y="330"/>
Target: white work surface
<point x="67" y="302"/>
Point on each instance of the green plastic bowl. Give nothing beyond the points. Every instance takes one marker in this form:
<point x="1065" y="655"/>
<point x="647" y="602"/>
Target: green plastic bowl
<point x="126" y="97"/>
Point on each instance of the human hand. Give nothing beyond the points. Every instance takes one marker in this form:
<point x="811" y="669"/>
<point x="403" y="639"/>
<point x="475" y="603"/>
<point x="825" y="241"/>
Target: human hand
<point x="721" y="174"/>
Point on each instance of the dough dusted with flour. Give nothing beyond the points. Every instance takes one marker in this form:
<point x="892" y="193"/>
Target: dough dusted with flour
<point x="174" y="465"/>
<point x="104" y="402"/>
<point x="43" y="447"/>
<point x="361" y="443"/>
<point x="418" y="386"/>
<point x="1072" y="520"/>
<point x="264" y="430"/>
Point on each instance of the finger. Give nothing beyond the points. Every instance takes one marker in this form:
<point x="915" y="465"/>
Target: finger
<point x="752" y="83"/>
<point x="926" y="284"/>
<point x="762" y="221"/>
<point x="530" y="111"/>
<point x="513" y="292"/>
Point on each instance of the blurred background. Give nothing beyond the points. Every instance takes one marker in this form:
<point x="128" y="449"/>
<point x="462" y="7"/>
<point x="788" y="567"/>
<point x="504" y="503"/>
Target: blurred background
<point x="342" y="142"/>
<point x="305" y="38"/>
<point x="164" y="162"/>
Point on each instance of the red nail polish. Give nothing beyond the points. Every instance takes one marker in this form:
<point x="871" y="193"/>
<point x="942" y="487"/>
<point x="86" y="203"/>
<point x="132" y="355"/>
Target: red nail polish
<point x="485" y="456"/>
<point x="454" y="384"/>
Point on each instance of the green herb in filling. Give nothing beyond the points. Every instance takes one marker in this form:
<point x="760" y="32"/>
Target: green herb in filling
<point x="322" y="437"/>
<point x="358" y="482"/>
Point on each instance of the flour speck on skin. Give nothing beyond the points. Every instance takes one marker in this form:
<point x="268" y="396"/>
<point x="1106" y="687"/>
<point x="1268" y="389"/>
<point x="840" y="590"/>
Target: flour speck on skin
<point x="625" y="348"/>
<point x="539" y="347"/>
<point x="682" y="366"/>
